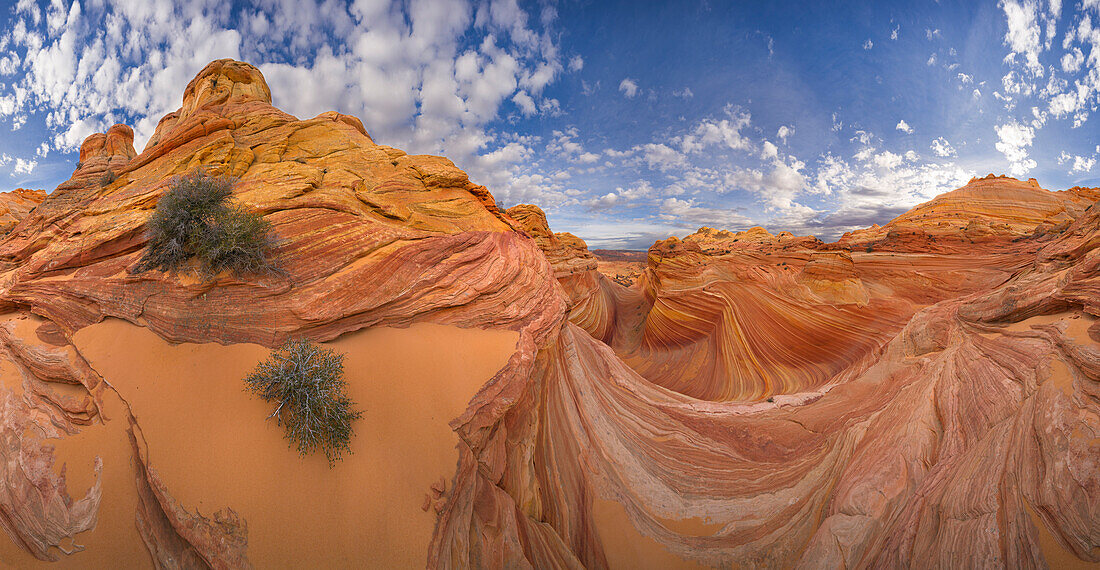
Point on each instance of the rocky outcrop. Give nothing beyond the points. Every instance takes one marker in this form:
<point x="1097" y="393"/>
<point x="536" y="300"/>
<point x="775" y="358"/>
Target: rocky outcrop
<point x="567" y="253"/>
<point x="15" y="205"/>
<point x="366" y="235"/>
<point x="993" y="209"/>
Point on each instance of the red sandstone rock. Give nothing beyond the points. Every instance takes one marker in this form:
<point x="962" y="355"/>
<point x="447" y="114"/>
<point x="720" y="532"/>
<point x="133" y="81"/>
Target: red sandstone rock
<point x="15" y="205"/>
<point x="931" y="402"/>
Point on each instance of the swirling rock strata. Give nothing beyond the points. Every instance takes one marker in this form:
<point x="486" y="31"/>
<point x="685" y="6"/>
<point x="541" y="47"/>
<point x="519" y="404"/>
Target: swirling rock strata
<point x="753" y="399"/>
<point x="15" y="205"/>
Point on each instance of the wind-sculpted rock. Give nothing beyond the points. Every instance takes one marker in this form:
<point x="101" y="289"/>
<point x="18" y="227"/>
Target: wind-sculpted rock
<point x="15" y="205"/>
<point x="924" y="393"/>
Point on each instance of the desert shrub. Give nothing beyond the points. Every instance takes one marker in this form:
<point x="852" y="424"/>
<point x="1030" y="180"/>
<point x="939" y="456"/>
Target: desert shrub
<point x="307" y="383"/>
<point x="195" y="219"/>
<point x="238" y="241"/>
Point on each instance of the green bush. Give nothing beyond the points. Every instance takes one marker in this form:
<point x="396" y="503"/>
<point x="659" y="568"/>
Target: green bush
<point x="307" y="382"/>
<point x="195" y="219"/>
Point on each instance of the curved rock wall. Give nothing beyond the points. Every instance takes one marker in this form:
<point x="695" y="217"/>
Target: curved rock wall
<point x="755" y="400"/>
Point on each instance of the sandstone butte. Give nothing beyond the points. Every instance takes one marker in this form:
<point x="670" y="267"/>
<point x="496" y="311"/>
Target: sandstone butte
<point x="921" y="394"/>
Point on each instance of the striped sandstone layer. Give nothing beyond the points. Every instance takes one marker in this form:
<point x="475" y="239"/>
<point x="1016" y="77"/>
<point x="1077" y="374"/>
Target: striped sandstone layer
<point x="776" y="403"/>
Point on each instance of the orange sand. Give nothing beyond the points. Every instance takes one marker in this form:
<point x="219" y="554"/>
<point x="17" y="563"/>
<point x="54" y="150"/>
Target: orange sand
<point x="1055" y="554"/>
<point x="625" y="547"/>
<point x="115" y="540"/>
<point x="211" y="444"/>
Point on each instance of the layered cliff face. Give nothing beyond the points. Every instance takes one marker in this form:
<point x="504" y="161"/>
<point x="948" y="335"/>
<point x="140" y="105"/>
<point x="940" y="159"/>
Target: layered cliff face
<point x="751" y="399"/>
<point x="15" y="205"/>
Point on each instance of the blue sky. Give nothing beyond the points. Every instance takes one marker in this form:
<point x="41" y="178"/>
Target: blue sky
<point x="626" y="121"/>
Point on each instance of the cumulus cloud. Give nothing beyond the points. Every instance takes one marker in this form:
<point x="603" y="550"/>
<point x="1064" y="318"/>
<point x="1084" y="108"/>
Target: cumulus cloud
<point x="894" y="32"/>
<point x="1013" y="141"/>
<point x="1023" y="35"/>
<point x="687" y="211"/>
<point x="784" y="132"/>
<point x="24" y="166"/>
<point x="525" y="103"/>
<point x="778" y="182"/>
<point x="942" y="148"/>
<point x="621" y="197"/>
<point x="1077" y="163"/>
<point x="1071" y="61"/>
<point x="904" y="127"/>
<point x="726" y="131"/>
<point x="576" y="63"/>
<point x="868" y="44"/>
<point x="629" y="87"/>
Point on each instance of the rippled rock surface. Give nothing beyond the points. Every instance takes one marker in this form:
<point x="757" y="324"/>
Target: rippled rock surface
<point x="925" y="393"/>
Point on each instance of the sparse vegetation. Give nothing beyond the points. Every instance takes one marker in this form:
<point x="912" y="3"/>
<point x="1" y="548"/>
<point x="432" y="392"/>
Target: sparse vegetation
<point x="306" y="381"/>
<point x="195" y="219"/>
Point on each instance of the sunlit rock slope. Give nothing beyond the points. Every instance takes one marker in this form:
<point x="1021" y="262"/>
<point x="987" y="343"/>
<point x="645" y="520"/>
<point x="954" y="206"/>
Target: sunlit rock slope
<point x="923" y="394"/>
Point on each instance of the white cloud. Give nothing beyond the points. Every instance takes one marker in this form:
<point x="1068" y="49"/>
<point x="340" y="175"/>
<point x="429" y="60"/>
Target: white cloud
<point x="629" y="87"/>
<point x="576" y="63"/>
<point x="868" y="44"/>
<point x="659" y="156"/>
<point x="904" y="127"/>
<point x="9" y="63"/>
<point x="778" y="182"/>
<point x="941" y="148"/>
<point x="1023" y="35"/>
<point x="525" y="103"/>
<point x="1013" y="140"/>
<point x="930" y="33"/>
<point x="1080" y="163"/>
<point x="894" y="32"/>
<point x="687" y="211"/>
<point x="886" y="160"/>
<point x="1071" y="61"/>
<point x="620" y="197"/>
<point x="684" y="93"/>
<point x="24" y="166"/>
<point x="710" y="132"/>
<point x="768" y="150"/>
<point x="784" y="132"/>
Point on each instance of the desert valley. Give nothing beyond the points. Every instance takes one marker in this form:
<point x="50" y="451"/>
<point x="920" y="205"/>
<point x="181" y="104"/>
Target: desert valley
<point x="924" y="393"/>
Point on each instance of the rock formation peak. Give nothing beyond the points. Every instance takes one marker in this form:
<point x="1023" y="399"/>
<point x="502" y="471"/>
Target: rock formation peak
<point x="114" y="147"/>
<point x="221" y="81"/>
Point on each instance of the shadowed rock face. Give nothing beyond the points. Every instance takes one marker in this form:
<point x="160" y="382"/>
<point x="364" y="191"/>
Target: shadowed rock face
<point x="920" y="394"/>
